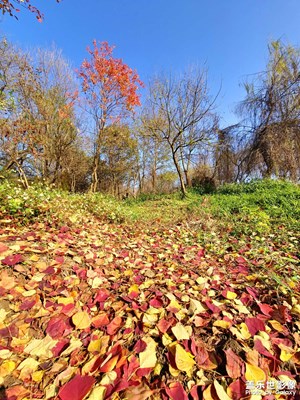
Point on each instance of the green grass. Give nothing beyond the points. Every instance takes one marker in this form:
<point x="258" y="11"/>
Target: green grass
<point x="259" y="219"/>
<point x="258" y="205"/>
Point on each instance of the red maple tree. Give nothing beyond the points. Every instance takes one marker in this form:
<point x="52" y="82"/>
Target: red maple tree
<point x="111" y="89"/>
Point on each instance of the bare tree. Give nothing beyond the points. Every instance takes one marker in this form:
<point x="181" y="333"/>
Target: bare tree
<point x="272" y="115"/>
<point x="181" y="113"/>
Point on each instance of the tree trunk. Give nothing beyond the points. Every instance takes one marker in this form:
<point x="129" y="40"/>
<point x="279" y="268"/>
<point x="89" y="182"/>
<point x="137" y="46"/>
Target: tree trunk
<point x="95" y="180"/>
<point x="180" y="175"/>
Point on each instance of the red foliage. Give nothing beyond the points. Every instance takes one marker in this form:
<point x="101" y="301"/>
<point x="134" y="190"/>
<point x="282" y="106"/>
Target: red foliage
<point x="110" y="83"/>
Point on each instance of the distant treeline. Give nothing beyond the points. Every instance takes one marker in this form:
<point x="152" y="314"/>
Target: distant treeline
<point x="86" y="130"/>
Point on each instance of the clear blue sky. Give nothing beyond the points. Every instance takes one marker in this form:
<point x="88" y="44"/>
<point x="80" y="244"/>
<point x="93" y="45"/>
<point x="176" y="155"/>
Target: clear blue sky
<point x="230" y="36"/>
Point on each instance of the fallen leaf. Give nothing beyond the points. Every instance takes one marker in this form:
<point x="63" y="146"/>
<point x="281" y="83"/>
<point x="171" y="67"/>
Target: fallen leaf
<point x="81" y="320"/>
<point x="77" y="388"/>
<point x="148" y="357"/>
<point x="254" y="373"/>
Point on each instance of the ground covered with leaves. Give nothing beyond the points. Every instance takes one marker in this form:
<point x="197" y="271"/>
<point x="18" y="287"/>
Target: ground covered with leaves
<point x="100" y="309"/>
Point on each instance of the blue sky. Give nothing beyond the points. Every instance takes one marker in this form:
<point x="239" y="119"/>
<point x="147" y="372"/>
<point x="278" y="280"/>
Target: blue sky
<point x="229" y="36"/>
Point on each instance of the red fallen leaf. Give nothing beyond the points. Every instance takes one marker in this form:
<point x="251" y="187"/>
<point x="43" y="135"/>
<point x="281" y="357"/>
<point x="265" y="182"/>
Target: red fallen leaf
<point x="277" y="341"/>
<point x="68" y="309"/>
<point x="262" y="350"/>
<point x="59" y="260"/>
<point x="133" y="295"/>
<point x="212" y="307"/>
<point x="77" y="357"/>
<point x="140" y="346"/>
<point x="119" y="386"/>
<point x="109" y="365"/>
<point x="114" y="325"/>
<point x="12" y="260"/>
<point x="201" y="253"/>
<point x="101" y="296"/>
<point x="28" y="304"/>
<point x="143" y="372"/>
<point x="286" y="373"/>
<point x="163" y="325"/>
<point x="9" y="331"/>
<point x="198" y="350"/>
<point x="49" y="271"/>
<point x="246" y="299"/>
<point x="15" y="393"/>
<point x="100" y="320"/>
<point x="64" y="229"/>
<point x="156" y="303"/>
<point x="129" y="368"/>
<point x="254" y="325"/>
<point x="234" y="365"/>
<point x="176" y="392"/>
<point x="196" y="392"/>
<point x="58" y="327"/>
<point x="281" y="314"/>
<point x="60" y="347"/>
<point x="237" y="390"/>
<point x="3" y="247"/>
<point x="265" y="309"/>
<point x="242" y="269"/>
<point x="253" y="292"/>
<point x="77" y="388"/>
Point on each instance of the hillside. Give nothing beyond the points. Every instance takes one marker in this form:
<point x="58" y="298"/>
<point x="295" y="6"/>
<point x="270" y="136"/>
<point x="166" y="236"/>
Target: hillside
<point x="150" y="298"/>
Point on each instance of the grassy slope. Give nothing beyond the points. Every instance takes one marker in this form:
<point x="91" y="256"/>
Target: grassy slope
<point x="150" y="259"/>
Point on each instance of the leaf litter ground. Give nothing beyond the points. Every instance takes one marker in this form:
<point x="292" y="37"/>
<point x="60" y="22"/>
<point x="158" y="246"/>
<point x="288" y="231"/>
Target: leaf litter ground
<point x="108" y="311"/>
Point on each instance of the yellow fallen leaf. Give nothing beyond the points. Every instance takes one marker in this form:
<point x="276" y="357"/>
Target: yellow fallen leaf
<point x="183" y="359"/>
<point x="133" y="288"/>
<point x="254" y="373"/>
<point x="74" y="344"/>
<point x="276" y="325"/>
<point x="166" y="340"/>
<point x="230" y="295"/>
<point x="182" y="332"/>
<point x="50" y="391"/>
<point x="157" y="369"/>
<point x="7" y="367"/>
<point x="65" y="300"/>
<point x="196" y="307"/>
<point x="98" y="393"/>
<point x="222" y="324"/>
<point x="41" y="347"/>
<point x="109" y="378"/>
<point x="207" y="394"/>
<point x="27" y="367"/>
<point x="81" y="320"/>
<point x="37" y="376"/>
<point x="34" y="257"/>
<point x="174" y="305"/>
<point x="94" y="345"/>
<point x="221" y="391"/>
<point x="150" y="320"/>
<point x="285" y="356"/>
<point x="173" y="371"/>
<point x="286" y="352"/>
<point x="201" y="280"/>
<point x="245" y="331"/>
<point x="4" y="354"/>
<point x="148" y="357"/>
<point x="29" y="293"/>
